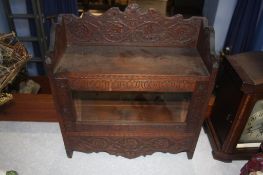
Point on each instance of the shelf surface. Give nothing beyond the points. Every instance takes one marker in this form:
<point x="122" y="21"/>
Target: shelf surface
<point x="132" y="60"/>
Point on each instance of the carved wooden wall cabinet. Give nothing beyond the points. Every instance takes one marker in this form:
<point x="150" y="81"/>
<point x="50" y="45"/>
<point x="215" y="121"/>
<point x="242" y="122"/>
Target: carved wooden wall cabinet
<point x="131" y="83"/>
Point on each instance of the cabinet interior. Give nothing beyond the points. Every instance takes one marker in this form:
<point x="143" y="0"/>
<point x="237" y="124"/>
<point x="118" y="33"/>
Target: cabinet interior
<point x="131" y="106"/>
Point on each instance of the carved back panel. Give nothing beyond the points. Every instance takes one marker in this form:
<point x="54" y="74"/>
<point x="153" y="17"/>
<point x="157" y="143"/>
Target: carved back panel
<point x="132" y="27"/>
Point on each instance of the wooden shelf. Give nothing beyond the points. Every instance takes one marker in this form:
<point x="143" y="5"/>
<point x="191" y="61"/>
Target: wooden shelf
<point x="132" y="60"/>
<point x="28" y="107"/>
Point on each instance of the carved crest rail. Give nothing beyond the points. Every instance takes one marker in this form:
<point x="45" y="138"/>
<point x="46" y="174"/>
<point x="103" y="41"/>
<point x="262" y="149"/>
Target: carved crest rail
<point x="132" y="27"/>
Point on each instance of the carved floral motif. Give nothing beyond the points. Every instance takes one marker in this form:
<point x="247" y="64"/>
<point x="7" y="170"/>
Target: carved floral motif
<point x="129" y="147"/>
<point x="133" y="27"/>
<point x="131" y="82"/>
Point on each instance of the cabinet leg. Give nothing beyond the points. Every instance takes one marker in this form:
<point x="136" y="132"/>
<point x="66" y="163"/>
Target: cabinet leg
<point x="69" y="153"/>
<point x="190" y="154"/>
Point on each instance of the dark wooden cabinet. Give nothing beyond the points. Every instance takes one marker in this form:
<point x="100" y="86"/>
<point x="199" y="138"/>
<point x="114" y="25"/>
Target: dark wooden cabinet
<point x="131" y="83"/>
<point x="235" y="127"/>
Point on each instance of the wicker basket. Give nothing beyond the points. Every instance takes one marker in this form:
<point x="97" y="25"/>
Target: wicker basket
<point x="13" y="56"/>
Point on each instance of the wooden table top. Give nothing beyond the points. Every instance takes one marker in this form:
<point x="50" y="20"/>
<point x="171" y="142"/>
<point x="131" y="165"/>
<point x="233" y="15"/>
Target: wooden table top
<point x="249" y="66"/>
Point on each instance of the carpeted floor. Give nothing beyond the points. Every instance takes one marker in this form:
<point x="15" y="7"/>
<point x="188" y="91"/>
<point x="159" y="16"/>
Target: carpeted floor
<point x="38" y="149"/>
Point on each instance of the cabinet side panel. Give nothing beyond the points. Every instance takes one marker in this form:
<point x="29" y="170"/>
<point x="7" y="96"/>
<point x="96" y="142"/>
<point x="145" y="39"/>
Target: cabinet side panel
<point x="228" y="97"/>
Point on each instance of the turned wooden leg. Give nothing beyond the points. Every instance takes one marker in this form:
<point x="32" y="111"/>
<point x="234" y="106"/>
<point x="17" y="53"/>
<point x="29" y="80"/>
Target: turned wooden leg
<point x="69" y="153"/>
<point x="190" y="154"/>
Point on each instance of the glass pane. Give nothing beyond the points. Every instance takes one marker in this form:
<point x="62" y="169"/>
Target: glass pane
<point x="131" y="106"/>
<point x="253" y="132"/>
